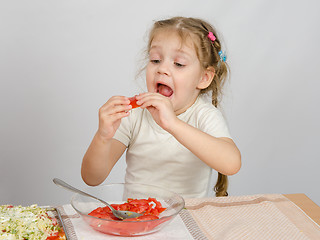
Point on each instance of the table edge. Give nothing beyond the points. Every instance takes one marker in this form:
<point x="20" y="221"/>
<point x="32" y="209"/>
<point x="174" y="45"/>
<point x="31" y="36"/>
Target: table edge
<point x="306" y="205"/>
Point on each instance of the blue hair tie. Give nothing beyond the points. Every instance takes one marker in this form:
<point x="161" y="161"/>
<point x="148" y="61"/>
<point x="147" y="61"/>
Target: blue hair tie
<point x="223" y="56"/>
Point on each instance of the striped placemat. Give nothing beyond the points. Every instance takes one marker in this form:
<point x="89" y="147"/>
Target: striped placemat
<point x="267" y="216"/>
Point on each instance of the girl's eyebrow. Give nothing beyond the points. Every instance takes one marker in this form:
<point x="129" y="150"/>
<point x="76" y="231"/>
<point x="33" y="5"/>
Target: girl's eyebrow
<point x="182" y="52"/>
<point x="179" y="51"/>
<point x="154" y="47"/>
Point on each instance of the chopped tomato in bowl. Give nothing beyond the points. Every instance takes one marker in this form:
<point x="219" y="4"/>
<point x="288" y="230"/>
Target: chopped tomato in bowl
<point x="158" y="206"/>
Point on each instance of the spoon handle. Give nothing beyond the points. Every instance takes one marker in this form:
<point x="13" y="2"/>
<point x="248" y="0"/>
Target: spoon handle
<point x="63" y="184"/>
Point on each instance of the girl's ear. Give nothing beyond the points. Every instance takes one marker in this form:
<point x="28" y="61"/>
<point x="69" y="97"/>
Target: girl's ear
<point x="206" y="78"/>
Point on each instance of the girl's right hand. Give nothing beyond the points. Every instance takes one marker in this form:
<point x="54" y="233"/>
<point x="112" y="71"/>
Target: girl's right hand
<point x="110" y="115"/>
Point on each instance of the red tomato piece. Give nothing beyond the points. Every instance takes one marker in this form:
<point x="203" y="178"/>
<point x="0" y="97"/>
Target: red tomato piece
<point x="141" y="218"/>
<point x="160" y="210"/>
<point x="133" y="102"/>
<point x="56" y="236"/>
<point x="53" y="236"/>
<point x="158" y="204"/>
<point x="139" y="201"/>
<point x="105" y="215"/>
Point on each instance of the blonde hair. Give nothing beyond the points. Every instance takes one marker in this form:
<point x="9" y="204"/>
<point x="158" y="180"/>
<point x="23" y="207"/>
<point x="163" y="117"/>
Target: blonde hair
<point x="208" y="53"/>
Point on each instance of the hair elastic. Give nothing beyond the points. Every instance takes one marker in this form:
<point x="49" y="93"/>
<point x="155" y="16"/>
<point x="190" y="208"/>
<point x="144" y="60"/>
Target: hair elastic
<point x="211" y="36"/>
<point x="223" y="56"/>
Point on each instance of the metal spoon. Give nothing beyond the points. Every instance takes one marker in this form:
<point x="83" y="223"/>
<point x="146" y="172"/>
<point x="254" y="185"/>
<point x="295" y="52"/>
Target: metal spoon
<point x="117" y="213"/>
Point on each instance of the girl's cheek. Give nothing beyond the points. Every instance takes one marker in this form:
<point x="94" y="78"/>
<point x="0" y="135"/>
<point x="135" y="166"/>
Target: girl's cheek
<point x="150" y="86"/>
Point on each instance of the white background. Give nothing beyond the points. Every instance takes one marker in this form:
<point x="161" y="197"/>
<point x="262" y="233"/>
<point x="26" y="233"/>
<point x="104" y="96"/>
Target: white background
<point x="61" y="60"/>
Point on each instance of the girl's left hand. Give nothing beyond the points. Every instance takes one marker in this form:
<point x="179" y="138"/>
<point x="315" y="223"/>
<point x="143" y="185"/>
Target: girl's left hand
<point x="160" y="108"/>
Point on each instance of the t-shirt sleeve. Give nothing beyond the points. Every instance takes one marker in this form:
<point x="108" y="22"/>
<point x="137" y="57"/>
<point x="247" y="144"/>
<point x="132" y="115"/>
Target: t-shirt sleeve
<point x="123" y="133"/>
<point x="212" y="122"/>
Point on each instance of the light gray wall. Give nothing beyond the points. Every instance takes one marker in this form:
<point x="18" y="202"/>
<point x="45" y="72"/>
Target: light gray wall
<point x="61" y="60"/>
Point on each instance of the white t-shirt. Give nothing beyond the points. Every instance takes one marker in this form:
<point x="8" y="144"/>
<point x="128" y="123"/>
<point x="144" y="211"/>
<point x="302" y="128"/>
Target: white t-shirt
<point x="155" y="157"/>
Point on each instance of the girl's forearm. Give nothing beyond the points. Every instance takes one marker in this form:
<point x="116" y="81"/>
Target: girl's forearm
<point x="220" y="154"/>
<point x="97" y="162"/>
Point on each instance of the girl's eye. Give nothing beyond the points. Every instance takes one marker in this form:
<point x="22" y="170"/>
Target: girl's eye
<point x="155" y="61"/>
<point x="179" y="64"/>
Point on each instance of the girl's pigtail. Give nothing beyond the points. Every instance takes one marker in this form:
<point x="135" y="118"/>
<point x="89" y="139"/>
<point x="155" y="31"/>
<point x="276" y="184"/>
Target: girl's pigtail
<point x="221" y="73"/>
<point x="221" y="186"/>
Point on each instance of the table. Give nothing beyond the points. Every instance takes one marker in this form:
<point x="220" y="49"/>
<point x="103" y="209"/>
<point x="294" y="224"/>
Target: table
<point x="306" y="204"/>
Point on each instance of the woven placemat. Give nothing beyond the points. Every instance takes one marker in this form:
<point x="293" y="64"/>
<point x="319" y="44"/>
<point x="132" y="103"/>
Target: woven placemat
<point x="266" y="216"/>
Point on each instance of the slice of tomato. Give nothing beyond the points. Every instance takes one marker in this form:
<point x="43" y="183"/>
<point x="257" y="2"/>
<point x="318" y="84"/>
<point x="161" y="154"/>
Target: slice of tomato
<point x="138" y="201"/>
<point x="57" y="236"/>
<point x="104" y="213"/>
<point x="124" y="207"/>
<point x="141" y="218"/>
<point x="53" y="236"/>
<point x="133" y="102"/>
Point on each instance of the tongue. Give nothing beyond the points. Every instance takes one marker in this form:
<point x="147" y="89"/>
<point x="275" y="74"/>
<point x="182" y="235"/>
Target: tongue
<point x="165" y="90"/>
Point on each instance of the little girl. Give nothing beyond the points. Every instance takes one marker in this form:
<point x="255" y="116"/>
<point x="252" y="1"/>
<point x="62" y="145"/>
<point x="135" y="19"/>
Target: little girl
<point x="176" y="137"/>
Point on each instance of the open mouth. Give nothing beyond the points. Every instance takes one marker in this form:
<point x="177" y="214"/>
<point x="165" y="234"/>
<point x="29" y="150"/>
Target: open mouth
<point x="164" y="90"/>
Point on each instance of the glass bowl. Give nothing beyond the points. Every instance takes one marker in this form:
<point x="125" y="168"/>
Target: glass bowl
<point x="119" y="193"/>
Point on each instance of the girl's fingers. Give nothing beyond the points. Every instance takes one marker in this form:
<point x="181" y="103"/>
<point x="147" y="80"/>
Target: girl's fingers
<point x="149" y="103"/>
<point x="116" y="104"/>
<point x="110" y="114"/>
<point x="115" y="112"/>
<point x="151" y="99"/>
<point x="145" y="96"/>
<point x="108" y="126"/>
<point x="113" y="118"/>
<point x="118" y="116"/>
<point x="117" y="100"/>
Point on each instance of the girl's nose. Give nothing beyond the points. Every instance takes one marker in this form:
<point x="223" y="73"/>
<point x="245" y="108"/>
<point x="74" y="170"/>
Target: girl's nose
<point x="164" y="68"/>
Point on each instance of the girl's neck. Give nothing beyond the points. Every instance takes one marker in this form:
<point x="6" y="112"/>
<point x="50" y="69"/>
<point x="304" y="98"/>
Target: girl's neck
<point x="180" y="111"/>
